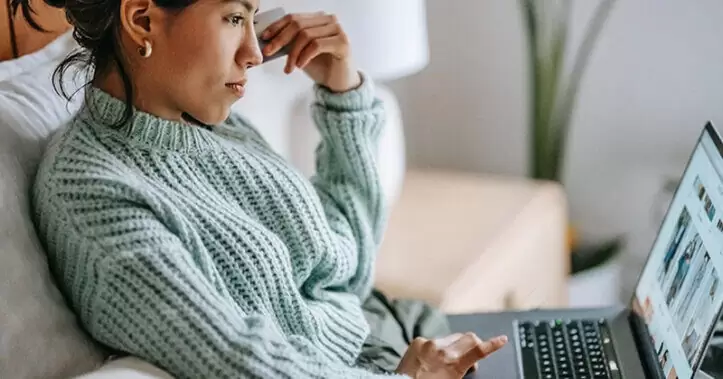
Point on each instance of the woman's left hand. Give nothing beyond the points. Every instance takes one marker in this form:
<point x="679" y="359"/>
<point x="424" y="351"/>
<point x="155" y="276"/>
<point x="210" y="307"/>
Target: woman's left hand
<point x="319" y="46"/>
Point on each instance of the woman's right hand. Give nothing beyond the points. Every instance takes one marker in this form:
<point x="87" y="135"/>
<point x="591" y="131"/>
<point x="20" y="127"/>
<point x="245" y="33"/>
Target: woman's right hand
<point x="446" y="358"/>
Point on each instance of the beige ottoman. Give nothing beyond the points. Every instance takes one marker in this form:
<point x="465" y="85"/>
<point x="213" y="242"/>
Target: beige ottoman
<point x="469" y="243"/>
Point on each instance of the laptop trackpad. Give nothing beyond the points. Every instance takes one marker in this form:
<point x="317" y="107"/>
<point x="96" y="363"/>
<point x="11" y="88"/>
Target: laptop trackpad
<point x="502" y="364"/>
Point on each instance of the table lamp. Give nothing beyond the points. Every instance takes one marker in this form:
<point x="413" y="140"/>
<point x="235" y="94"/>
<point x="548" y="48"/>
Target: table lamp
<point x="388" y="41"/>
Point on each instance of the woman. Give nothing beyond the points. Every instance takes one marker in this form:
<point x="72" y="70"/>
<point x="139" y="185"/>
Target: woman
<point x="179" y="236"/>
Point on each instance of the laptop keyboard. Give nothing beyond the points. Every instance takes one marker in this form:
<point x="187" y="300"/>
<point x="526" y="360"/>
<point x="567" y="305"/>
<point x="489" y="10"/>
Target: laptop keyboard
<point x="572" y="349"/>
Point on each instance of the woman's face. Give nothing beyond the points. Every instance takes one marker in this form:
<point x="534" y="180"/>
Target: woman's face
<point x="199" y="59"/>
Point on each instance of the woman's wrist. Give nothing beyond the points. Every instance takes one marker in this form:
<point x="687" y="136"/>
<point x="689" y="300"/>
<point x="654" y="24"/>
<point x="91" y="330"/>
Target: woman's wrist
<point x="359" y="97"/>
<point x="350" y="81"/>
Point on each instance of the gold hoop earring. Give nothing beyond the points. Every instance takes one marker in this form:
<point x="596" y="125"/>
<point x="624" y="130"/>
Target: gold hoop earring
<point x="146" y="50"/>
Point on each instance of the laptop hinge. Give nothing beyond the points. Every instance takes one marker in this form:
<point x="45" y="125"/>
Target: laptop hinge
<point x="643" y="340"/>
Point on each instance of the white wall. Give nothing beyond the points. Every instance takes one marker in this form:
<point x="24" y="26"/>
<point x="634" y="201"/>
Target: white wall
<point x="654" y="79"/>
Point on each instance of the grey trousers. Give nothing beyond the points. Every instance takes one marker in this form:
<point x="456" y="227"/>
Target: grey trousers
<point x="393" y="325"/>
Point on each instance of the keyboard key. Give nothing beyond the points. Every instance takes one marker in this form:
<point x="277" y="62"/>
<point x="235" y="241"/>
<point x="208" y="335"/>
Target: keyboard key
<point x="529" y="364"/>
<point x="566" y="349"/>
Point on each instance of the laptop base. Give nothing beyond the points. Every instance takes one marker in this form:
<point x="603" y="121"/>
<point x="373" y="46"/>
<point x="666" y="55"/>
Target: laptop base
<point x="504" y="363"/>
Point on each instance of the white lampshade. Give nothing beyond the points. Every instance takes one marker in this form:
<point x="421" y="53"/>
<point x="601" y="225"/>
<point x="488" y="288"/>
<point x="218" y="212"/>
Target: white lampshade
<point x="388" y="41"/>
<point x="388" y="37"/>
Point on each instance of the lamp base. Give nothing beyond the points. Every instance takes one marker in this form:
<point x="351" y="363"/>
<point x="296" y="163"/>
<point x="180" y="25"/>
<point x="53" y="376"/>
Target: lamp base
<point x="304" y="138"/>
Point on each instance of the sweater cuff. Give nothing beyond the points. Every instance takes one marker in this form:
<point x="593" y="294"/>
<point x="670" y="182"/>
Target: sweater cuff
<point x="357" y="99"/>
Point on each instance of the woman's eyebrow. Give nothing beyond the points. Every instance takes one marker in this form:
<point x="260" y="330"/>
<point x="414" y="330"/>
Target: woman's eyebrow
<point x="250" y="7"/>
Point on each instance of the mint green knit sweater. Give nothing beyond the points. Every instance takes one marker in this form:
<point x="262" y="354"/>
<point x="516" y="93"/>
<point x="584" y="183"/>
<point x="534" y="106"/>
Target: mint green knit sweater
<point x="204" y="252"/>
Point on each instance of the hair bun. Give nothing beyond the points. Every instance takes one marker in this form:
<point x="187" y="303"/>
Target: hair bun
<point x="56" y="3"/>
<point x="27" y="10"/>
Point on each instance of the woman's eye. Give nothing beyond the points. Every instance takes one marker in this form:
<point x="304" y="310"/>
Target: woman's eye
<point x="236" y="20"/>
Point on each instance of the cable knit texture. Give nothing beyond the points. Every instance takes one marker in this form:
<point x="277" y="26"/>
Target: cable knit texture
<point x="204" y="252"/>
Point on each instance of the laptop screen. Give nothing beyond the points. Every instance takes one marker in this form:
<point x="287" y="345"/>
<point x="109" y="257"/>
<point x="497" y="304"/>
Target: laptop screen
<point x="680" y="292"/>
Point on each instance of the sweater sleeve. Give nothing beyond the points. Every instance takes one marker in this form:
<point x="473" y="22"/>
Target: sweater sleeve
<point x="346" y="176"/>
<point x="138" y="290"/>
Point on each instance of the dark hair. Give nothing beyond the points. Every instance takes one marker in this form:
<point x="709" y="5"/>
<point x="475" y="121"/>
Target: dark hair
<point x="96" y="29"/>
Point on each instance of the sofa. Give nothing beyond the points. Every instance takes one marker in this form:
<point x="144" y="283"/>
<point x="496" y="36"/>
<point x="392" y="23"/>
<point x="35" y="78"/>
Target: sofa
<point x="464" y="242"/>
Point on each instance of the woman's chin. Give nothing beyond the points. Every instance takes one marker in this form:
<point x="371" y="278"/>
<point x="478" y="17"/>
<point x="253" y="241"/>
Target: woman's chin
<point x="209" y="118"/>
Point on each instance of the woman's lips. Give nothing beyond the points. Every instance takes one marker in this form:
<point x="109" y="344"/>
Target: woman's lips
<point x="237" y="88"/>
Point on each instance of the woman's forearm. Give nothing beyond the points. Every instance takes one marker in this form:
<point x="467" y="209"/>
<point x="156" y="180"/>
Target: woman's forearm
<point x="347" y="178"/>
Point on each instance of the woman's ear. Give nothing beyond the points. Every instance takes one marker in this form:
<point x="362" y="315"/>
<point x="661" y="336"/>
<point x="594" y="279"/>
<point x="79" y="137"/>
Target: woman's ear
<point x="136" y="18"/>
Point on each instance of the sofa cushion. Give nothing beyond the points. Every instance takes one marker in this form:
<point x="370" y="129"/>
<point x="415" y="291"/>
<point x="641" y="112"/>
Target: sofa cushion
<point x="39" y="335"/>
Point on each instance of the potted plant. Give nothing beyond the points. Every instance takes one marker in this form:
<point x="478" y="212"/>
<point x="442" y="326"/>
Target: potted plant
<point x="553" y="93"/>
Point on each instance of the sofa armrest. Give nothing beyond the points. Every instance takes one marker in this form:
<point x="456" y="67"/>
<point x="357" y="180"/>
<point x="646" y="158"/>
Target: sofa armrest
<point x="127" y="368"/>
<point x="474" y="243"/>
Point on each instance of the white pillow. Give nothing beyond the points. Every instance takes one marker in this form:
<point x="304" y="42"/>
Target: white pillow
<point x="127" y="368"/>
<point x="39" y="335"/>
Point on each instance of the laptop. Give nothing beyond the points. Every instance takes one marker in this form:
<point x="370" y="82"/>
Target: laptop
<point x="665" y="329"/>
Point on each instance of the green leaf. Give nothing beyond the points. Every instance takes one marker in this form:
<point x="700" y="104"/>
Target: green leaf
<point x="564" y="112"/>
<point x="558" y="48"/>
<point x="537" y="133"/>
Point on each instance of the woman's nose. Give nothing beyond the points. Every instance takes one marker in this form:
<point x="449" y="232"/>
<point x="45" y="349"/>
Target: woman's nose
<point x="251" y="53"/>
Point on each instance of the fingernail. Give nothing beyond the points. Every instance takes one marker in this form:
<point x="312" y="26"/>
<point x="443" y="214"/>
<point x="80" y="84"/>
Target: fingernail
<point x="502" y="339"/>
<point x="265" y="34"/>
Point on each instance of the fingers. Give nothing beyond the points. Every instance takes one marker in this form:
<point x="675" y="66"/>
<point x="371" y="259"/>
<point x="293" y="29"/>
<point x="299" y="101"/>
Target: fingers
<point x="466" y="351"/>
<point x="469" y="349"/>
<point x="304" y="38"/>
<point x="446" y="341"/>
<point x="335" y="45"/>
<point x="283" y="32"/>
<point x="461" y="352"/>
<point x="412" y="359"/>
<point x="272" y="30"/>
